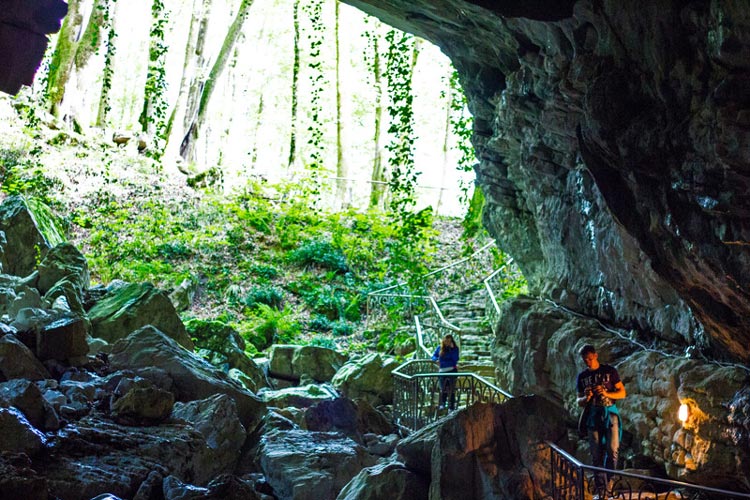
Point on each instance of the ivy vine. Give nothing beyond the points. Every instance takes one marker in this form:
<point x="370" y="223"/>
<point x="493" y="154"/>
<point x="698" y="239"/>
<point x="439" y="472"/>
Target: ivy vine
<point x="398" y="75"/>
<point x="462" y="124"/>
<point x="109" y="56"/>
<point x="315" y="36"/>
<point x="154" y="115"/>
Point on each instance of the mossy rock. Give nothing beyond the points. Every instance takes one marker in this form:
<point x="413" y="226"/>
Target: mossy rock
<point x="132" y="306"/>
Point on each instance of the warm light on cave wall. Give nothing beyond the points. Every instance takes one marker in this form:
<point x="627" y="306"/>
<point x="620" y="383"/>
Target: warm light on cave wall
<point x="683" y="413"/>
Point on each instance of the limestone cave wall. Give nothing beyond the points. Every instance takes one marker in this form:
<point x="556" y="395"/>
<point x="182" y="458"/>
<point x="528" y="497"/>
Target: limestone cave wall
<point x="613" y="144"/>
<point x="612" y="140"/>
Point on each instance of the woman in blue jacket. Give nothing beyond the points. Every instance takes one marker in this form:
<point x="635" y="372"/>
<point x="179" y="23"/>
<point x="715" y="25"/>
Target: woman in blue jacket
<point x="446" y="355"/>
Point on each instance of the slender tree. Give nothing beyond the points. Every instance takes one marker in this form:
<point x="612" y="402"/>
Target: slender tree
<point x="294" y="87"/>
<point x="230" y="39"/>
<point x="108" y="26"/>
<point x="191" y="83"/>
<point x="72" y="50"/>
<point x="153" y="118"/>
<point x="378" y="176"/>
<point x="342" y="172"/>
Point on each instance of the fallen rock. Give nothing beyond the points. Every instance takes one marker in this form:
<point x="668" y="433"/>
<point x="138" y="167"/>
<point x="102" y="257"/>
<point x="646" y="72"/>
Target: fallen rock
<point x="22" y="235"/>
<point x="217" y="420"/>
<point x="63" y="339"/>
<point x="193" y="377"/>
<point x="127" y="308"/>
<point x="17" y="435"/>
<point x="301" y="465"/>
<point x="392" y="481"/>
<point x="64" y="261"/>
<point x="367" y="378"/>
<point x="298" y="396"/>
<point x="17" y="361"/>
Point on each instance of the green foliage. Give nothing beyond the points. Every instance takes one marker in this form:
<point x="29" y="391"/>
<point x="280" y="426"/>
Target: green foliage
<point x="323" y="342"/>
<point x="265" y="272"/>
<point x="462" y="125"/>
<point x="21" y="174"/>
<point x="319" y="253"/>
<point x="270" y="296"/>
<point x="274" y="326"/>
<point x="399" y="71"/>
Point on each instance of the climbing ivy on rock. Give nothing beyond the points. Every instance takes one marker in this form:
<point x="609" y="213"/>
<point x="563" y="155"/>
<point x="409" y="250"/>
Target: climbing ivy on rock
<point x="153" y="117"/>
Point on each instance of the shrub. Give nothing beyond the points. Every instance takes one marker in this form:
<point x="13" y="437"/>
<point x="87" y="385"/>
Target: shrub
<point x="323" y="342"/>
<point x="342" y="328"/>
<point x="319" y="253"/>
<point x="264" y="271"/>
<point x="270" y="296"/>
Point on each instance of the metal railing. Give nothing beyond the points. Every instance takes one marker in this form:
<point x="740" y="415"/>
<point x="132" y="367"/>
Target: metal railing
<point x="431" y="326"/>
<point x="572" y="480"/>
<point x="416" y="393"/>
<point x="449" y="279"/>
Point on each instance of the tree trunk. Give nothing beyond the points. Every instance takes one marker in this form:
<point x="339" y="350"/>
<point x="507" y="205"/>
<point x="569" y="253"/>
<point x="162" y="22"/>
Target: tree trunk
<point x="378" y="176"/>
<point x="342" y="171"/>
<point x="69" y="51"/>
<point x="188" y="144"/>
<point x="446" y="149"/>
<point x="191" y="83"/>
<point x="108" y="73"/>
<point x="295" y="84"/>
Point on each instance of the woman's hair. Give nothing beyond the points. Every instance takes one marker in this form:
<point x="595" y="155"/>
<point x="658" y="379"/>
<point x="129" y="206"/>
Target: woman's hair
<point x="447" y="343"/>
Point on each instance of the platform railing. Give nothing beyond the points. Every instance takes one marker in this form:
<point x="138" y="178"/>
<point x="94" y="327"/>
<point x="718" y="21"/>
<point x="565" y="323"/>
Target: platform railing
<point x="572" y="480"/>
<point x="416" y="393"/>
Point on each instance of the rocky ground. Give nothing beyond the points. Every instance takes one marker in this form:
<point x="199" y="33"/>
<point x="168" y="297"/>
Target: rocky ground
<point x="102" y="397"/>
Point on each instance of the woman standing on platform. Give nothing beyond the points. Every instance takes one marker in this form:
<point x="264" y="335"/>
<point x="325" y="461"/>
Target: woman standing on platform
<point x="446" y="355"/>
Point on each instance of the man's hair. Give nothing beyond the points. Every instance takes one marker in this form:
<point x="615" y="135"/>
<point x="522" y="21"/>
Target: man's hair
<point x="587" y="349"/>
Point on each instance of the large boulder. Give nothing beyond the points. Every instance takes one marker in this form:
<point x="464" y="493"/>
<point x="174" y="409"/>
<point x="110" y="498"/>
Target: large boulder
<point x="223" y="346"/>
<point x="351" y="418"/>
<point x="129" y="307"/>
<point x="391" y="480"/>
<point x="17" y="361"/>
<point x="300" y="465"/>
<point x="297" y="397"/>
<point x="26" y="396"/>
<point x="317" y="363"/>
<point x="193" y="377"/>
<point x="63" y="261"/>
<point x="496" y="451"/>
<point x="23" y="237"/>
<point x="216" y="419"/>
<point x="63" y="339"/>
<point x="17" y="435"/>
<point x="367" y="378"/>
<point x="306" y="363"/>
<point x="93" y="456"/>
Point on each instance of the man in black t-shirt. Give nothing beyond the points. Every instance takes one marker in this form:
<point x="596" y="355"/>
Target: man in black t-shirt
<point x="600" y="386"/>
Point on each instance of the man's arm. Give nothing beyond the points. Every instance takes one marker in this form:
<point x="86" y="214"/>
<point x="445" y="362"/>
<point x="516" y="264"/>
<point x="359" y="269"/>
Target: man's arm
<point x="618" y="393"/>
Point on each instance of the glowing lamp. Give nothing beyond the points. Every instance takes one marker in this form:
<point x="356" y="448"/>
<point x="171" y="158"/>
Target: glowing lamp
<point x="682" y="414"/>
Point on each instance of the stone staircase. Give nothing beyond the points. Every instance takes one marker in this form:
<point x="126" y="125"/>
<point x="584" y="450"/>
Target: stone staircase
<point x="467" y="312"/>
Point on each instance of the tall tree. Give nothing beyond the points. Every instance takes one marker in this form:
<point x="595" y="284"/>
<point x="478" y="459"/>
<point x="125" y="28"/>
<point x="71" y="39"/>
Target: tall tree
<point x="108" y="26"/>
<point x="230" y="39"/>
<point x="153" y="117"/>
<point x="401" y="59"/>
<point x="342" y="172"/>
<point x="74" y="46"/>
<point x="294" y="87"/>
<point x="191" y="83"/>
<point x="378" y="175"/>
